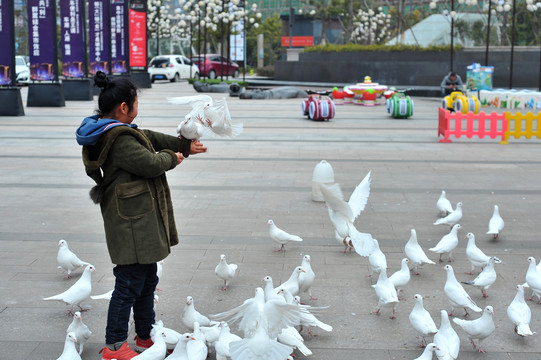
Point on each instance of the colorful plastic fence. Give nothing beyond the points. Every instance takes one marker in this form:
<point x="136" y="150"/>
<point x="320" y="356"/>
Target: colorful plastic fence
<point x="470" y="125"/>
<point x="526" y="125"/>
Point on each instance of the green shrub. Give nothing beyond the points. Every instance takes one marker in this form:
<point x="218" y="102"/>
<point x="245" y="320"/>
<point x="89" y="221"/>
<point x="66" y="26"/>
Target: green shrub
<point x="359" y="47"/>
<point x="265" y="71"/>
<point x="218" y="81"/>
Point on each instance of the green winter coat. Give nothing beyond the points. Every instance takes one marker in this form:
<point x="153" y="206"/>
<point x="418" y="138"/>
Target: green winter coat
<point x="129" y="168"/>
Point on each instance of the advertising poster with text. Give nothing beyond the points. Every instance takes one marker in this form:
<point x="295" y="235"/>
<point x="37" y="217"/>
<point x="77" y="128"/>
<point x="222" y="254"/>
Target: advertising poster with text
<point x="138" y="35"/>
<point x="73" y="39"/>
<point x="41" y="39"/>
<point x="7" y="63"/>
<point x="119" y="53"/>
<point x="98" y="36"/>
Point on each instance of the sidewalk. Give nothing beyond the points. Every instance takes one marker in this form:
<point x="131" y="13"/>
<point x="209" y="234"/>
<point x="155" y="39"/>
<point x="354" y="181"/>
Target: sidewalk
<point x="224" y="198"/>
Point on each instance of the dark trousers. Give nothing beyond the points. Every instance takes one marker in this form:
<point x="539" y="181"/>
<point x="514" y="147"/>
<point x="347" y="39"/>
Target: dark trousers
<point x="134" y="288"/>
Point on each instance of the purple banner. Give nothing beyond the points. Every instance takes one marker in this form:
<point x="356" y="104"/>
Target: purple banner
<point x="7" y="72"/>
<point x="41" y="39"/>
<point x="119" y="54"/>
<point x="72" y="34"/>
<point x="98" y="36"/>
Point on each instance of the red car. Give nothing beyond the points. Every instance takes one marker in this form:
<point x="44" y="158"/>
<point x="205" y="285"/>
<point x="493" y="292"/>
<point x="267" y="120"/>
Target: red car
<point x="215" y="65"/>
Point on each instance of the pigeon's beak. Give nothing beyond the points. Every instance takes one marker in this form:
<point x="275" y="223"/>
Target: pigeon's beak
<point x="192" y="338"/>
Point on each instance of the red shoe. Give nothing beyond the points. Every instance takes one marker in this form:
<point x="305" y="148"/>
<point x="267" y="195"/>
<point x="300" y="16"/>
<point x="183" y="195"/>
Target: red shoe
<point x="124" y="353"/>
<point x="141" y="345"/>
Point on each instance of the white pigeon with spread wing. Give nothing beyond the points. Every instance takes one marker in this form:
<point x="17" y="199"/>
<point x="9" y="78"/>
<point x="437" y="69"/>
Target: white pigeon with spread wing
<point x="386" y="293"/>
<point x="280" y="236"/>
<point x="191" y="315"/>
<point x="486" y="278"/>
<point x="70" y="351"/>
<point x="307" y="278"/>
<point x="415" y="253"/>
<point x="67" y="259"/>
<point x="219" y="119"/>
<point x="495" y="224"/>
<point x="520" y="314"/>
<point x="421" y="320"/>
<point x="192" y="125"/>
<point x="78" y="292"/>
<point x="343" y="214"/>
<point x="453" y="218"/>
<point x="428" y="352"/>
<point x="444" y="205"/>
<point x="457" y="296"/>
<point x="446" y="339"/>
<point x="447" y="243"/>
<point x="225" y="271"/>
<point x="478" y="329"/>
<point x="81" y="331"/>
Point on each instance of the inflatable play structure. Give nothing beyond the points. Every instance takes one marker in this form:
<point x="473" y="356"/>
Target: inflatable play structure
<point x="365" y="93"/>
<point x="318" y="107"/>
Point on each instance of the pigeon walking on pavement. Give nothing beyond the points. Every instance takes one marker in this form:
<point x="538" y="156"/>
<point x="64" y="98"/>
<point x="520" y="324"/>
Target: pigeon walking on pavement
<point x="475" y="255"/>
<point x="67" y="259"/>
<point x="478" y="329"/>
<point x="486" y="278"/>
<point x="401" y="277"/>
<point x="447" y="243"/>
<point x="281" y="237"/>
<point x="446" y="339"/>
<point x="81" y="331"/>
<point x="225" y="271"/>
<point x="421" y="320"/>
<point x="444" y="205"/>
<point x="520" y="314"/>
<point x="457" y="296"/>
<point x="386" y="293"/>
<point x="495" y="224"/>
<point x="415" y="253"/>
<point x="453" y="218"/>
<point x="533" y="279"/>
<point x="78" y="292"/>
<point x="292" y="283"/>
<point x="376" y="260"/>
<point x="191" y="315"/>
<point x="70" y="351"/>
<point x="306" y="278"/>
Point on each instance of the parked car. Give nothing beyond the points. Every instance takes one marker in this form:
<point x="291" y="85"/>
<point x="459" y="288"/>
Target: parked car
<point x="214" y="65"/>
<point x="172" y="68"/>
<point x="22" y="70"/>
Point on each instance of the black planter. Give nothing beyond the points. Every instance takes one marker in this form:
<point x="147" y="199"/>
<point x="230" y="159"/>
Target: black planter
<point x="45" y="95"/>
<point x="11" y="103"/>
<point x="78" y="89"/>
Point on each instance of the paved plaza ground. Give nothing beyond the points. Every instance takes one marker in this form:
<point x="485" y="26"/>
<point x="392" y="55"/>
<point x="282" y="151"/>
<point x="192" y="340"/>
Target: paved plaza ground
<point x="224" y="198"/>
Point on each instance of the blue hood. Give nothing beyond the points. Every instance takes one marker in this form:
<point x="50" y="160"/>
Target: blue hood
<point x="93" y="127"/>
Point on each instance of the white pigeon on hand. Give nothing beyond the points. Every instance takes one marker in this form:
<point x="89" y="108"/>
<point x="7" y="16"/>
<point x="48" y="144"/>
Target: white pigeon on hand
<point x="457" y="296"/>
<point x="376" y="260"/>
<point x="520" y="314"/>
<point x="415" y="253"/>
<point x="307" y="278"/>
<point x="67" y="259"/>
<point x="81" y="331"/>
<point x="421" y="320"/>
<point x="157" y="351"/>
<point x="70" y="351"/>
<point x="453" y="218"/>
<point x="281" y="237"/>
<point x="191" y="315"/>
<point x="190" y="128"/>
<point x="444" y="205"/>
<point x="479" y="328"/>
<point x="446" y="339"/>
<point x="401" y="277"/>
<point x="486" y="278"/>
<point x="343" y="214"/>
<point x="225" y="271"/>
<point x="447" y="243"/>
<point x="386" y="293"/>
<point x="475" y="255"/>
<point x="196" y="347"/>
<point x="78" y="292"/>
<point x="428" y="352"/>
<point x="225" y="338"/>
<point x="495" y="224"/>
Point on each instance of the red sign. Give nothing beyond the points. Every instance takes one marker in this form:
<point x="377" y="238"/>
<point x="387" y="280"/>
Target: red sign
<point x="298" y="41"/>
<point x="138" y="39"/>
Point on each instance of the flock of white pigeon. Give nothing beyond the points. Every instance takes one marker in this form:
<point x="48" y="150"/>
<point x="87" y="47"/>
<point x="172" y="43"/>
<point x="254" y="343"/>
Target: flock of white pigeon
<point x="272" y="320"/>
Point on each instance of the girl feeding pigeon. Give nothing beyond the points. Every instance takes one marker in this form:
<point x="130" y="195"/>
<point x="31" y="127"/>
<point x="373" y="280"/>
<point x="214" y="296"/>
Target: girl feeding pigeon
<point x="128" y="165"/>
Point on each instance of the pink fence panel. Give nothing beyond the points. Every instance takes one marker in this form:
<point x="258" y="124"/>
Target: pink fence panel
<point x="470" y="125"/>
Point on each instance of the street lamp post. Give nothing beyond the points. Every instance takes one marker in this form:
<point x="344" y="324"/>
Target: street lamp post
<point x="452" y="31"/>
<point x="512" y="45"/>
<point x="488" y="31"/>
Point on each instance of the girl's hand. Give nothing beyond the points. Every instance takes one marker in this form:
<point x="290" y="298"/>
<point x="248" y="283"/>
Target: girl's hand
<point x="197" y="147"/>
<point x="180" y="157"/>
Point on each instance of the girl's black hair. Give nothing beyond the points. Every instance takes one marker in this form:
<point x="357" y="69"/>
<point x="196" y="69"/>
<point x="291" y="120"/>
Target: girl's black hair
<point x="114" y="92"/>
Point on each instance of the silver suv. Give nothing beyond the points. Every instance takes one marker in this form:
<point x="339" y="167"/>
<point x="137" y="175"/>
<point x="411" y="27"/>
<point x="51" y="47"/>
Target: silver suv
<point x="172" y="68"/>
